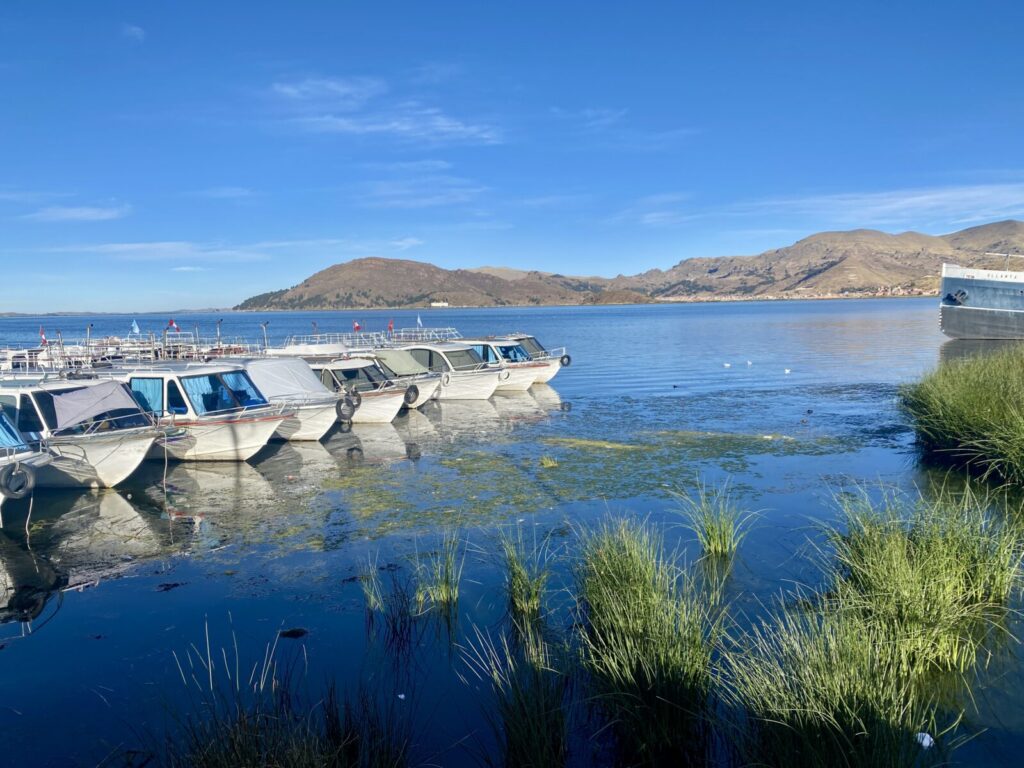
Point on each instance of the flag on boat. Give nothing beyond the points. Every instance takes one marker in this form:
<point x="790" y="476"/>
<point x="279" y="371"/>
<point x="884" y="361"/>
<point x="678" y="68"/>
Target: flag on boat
<point x="173" y="326"/>
<point x="419" y="321"/>
<point x="135" y="328"/>
<point x="42" y="337"/>
<point x="391" y="326"/>
<point x="356" y="326"/>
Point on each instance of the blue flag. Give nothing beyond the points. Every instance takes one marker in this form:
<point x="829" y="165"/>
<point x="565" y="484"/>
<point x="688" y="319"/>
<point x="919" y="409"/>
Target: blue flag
<point x="135" y="328"/>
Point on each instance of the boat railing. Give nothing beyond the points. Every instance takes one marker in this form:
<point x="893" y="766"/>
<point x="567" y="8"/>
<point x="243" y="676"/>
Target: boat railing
<point x="105" y="424"/>
<point x="426" y="334"/>
<point x="354" y="339"/>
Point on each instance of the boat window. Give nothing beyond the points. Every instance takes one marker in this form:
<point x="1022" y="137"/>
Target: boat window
<point x="531" y="345"/>
<point x="9" y="404"/>
<point x="464" y="359"/>
<point x="175" y="402"/>
<point x="399" y="362"/>
<point x="9" y="437"/>
<point x="486" y="353"/>
<point x="365" y="379"/>
<point x="28" y="417"/>
<point x="514" y="353"/>
<point x="243" y="389"/>
<point x="328" y="380"/>
<point x="208" y="394"/>
<point x="421" y="356"/>
<point x="149" y="393"/>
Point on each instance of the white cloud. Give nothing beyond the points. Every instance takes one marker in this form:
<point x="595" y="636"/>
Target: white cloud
<point x="225" y="193"/>
<point x="342" y="93"/>
<point x="421" y="192"/>
<point x="133" y="32"/>
<point x="189" y="269"/>
<point x="920" y="206"/>
<point x="405" y="243"/>
<point x="412" y="166"/>
<point x="79" y="213"/>
<point x="410" y="121"/>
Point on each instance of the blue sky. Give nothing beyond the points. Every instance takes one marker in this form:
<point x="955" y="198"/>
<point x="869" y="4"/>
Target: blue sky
<point x="169" y="155"/>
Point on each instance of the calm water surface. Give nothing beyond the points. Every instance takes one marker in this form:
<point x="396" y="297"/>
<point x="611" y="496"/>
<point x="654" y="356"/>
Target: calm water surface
<point x="789" y="401"/>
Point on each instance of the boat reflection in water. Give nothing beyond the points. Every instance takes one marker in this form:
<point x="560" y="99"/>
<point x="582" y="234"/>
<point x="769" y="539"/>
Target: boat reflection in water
<point x="67" y="540"/>
<point x="960" y="349"/>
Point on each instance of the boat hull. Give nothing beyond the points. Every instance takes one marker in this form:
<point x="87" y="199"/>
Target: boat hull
<point x="96" y="460"/>
<point x="308" y="423"/>
<point x="475" y="385"/>
<point x="223" y="439"/>
<point x="379" y="407"/>
<point x="548" y="371"/>
<point x="520" y="378"/>
<point x="981" y="303"/>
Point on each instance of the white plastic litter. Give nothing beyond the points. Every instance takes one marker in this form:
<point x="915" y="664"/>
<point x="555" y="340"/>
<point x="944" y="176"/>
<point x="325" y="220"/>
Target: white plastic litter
<point x="925" y="740"/>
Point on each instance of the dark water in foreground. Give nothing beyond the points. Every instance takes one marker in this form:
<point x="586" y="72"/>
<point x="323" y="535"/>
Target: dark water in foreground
<point x="790" y="401"/>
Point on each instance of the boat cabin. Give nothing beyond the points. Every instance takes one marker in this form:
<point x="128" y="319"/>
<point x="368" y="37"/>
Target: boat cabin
<point x="50" y="409"/>
<point x="446" y="356"/>
<point x="194" y="391"/>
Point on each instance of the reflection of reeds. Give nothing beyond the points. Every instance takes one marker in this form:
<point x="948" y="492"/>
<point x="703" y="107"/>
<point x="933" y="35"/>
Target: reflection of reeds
<point x="971" y="411"/>
<point x="527" y="571"/>
<point x="529" y="714"/>
<point x="646" y="643"/>
<point x="718" y="522"/>
<point x="262" y="721"/>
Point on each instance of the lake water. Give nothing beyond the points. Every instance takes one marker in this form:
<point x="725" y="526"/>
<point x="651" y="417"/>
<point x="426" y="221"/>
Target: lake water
<point x="106" y="592"/>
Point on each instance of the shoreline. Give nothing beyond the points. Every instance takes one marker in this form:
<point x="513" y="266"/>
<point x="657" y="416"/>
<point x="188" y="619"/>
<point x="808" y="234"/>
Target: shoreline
<point x="407" y="308"/>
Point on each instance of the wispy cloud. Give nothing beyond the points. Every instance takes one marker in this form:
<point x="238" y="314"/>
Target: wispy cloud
<point x="78" y="213"/>
<point x="660" y="210"/>
<point x="336" y="93"/>
<point x="556" y="201"/>
<point x="920" y="206"/>
<point x="405" y="243"/>
<point x="225" y="193"/>
<point x="189" y="269"/>
<point x="422" y="192"/>
<point x="355" y="106"/>
<point x="411" y="166"/>
<point x="133" y="32"/>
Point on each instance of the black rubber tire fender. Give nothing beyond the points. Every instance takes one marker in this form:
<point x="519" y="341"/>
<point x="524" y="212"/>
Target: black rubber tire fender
<point x="565" y="360"/>
<point x="17" y="480"/>
<point x="345" y="408"/>
<point x="412" y="394"/>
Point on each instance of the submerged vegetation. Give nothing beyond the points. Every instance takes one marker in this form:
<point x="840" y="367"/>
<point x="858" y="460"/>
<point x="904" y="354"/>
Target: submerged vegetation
<point x="970" y="411"/>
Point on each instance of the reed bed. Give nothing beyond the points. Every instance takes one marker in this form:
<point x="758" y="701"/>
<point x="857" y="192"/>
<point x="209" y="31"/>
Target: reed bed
<point x="438" y="576"/>
<point x="718" y="522"/>
<point x="939" y="574"/>
<point x="971" y="412"/>
<point x="646" y="643"/>
<point x="527" y="571"/>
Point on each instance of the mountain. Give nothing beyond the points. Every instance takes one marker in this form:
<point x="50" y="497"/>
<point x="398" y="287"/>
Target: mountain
<point x="860" y="262"/>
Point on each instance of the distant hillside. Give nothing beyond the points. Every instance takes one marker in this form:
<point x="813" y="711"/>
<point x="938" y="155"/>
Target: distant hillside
<point x="861" y="262"/>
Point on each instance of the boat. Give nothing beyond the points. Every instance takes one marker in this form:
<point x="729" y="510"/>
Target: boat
<point x="401" y="367"/>
<point x="538" y="352"/>
<point x="227" y="417"/>
<point x="377" y="399"/>
<point x="981" y="303"/>
<point x="96" y="431"/>
<point x="503" y="353"/>
<point x="464" y="374"/>
<point x="20" y="461"/>
<point x="292" y="383"/>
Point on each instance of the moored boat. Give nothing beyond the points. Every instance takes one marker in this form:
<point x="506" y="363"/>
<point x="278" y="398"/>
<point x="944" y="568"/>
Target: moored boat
<point x="377" y="399"/>
<point x="292" y="383"/>
<point x="981" y="303"/>
<point x="464" y="374"/>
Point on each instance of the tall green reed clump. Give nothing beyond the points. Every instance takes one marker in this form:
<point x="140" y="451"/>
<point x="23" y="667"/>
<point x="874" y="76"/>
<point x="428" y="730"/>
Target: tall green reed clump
<point x="528" y="713"/>
<point x="719" y="523"/>
<point x="646" y="643"/>
<point x="971" y="411"/>
<point x="527" y="571"/>
<point x="826" y="689"/>
<point x="253" y="716"/>
<point x="439" y="574"/>
<point x="938" y="574"/>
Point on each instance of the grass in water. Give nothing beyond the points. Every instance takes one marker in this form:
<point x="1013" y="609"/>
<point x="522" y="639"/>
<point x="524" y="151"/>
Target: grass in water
<point x="720" y="525"/>
<point x="438" y="575"/>
<point x="827" y="689"/>
<point x="938" y="573"/>
<point x="646" y="643"/>
<point x="527" y="571"/>
<point x="528" y="715"/>
<point x="971" y="411"/>
<point x="548" y="462"/>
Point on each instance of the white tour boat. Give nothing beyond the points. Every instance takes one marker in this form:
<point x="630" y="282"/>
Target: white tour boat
<point x="20" y="462"/>
<point x="464" y="374"/>
<point x="95" y="429"/>
<point x="377" y="399"/>
<point x="292" y="383"/>
<point x="510" y="355"/>
<point x="557" y="357"/>
<point x="226" y="415"/>
<point x="403" y="369"/>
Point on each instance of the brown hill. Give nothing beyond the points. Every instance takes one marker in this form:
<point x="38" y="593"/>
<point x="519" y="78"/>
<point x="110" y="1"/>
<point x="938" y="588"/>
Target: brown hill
<point x="858" y="262"/>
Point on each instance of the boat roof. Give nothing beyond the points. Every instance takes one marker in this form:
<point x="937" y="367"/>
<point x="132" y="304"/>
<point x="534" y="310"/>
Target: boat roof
<point x="438" y="346"/>
<point x="344" y="364"/>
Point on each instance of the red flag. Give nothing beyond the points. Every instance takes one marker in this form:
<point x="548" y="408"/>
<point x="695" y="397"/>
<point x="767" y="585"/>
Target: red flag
<point x="356" y="326"/>
<point x="42" y="337"/>
<point x="391" y="326"/>
<point x="174" y="326"/>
